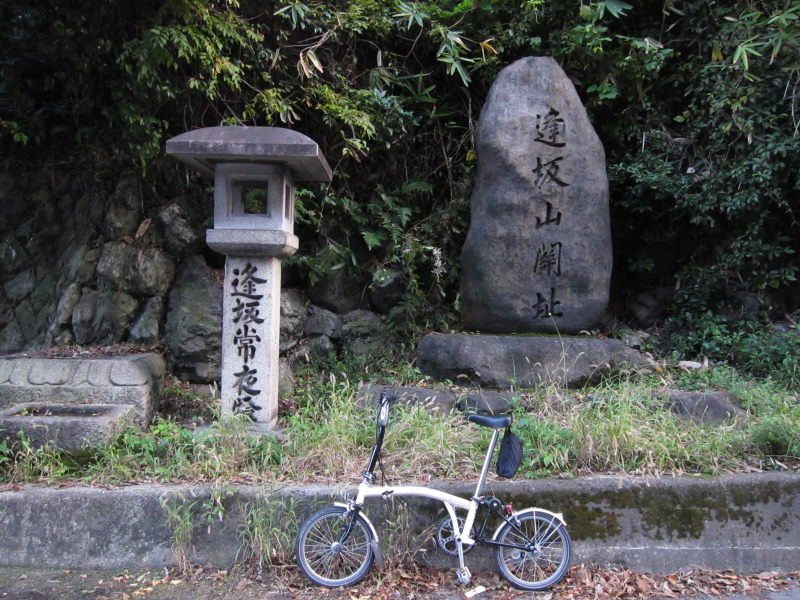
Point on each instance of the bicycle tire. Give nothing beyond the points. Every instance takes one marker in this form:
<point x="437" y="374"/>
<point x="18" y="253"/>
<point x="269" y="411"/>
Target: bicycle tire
<point x="323" y="559"/>
<point x="541" y="552"/>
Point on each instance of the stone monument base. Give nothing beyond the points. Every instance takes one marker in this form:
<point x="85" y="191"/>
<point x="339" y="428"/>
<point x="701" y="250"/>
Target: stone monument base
<point x="518" y="361"/>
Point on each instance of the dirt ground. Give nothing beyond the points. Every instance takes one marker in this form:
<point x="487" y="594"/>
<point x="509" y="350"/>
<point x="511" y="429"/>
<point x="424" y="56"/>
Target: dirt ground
<point x="582" y="583"/>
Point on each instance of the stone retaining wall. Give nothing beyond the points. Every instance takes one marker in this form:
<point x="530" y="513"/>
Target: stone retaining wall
<point x="745" y="522"/>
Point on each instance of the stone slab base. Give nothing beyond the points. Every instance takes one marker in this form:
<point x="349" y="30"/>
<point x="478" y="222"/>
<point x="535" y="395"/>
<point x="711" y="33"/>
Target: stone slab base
<point x="442" y="401"/>
<point x="68" y="427"/>
<point x="432" y="400"/>
<point x="517" y="361"/>
<point x="132" y="379"/>
<point x="749" y="523"/>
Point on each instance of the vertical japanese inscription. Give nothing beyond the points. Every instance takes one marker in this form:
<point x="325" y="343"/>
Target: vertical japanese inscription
<point x="548" y="172"/>
<point x="548" y="217"/>
<point x="550" y="129"/>
<point x="548" y="259"/>
<point x="550" y="132"/>
<point x="545" y="307"/>
<point x="245" y="312"/>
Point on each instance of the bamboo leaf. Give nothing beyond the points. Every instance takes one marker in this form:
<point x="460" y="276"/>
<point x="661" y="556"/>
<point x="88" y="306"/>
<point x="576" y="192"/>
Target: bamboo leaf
<point x="716" y="52"/>
<point x="617" y="8"/>
<point x="312" y="57"/>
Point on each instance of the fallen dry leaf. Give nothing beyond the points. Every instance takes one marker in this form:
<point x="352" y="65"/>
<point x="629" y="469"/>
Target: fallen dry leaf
<point x="143" y="227"/>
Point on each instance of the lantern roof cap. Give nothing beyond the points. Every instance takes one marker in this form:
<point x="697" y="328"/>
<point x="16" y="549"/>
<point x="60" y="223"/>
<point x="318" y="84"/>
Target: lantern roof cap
<point x="204" y="148"/>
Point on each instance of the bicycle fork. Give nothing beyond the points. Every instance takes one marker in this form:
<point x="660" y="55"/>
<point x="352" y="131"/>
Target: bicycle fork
<point x="354" y="511"/>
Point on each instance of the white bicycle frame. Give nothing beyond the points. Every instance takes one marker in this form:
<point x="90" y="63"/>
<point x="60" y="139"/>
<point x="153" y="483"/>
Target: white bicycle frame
<point x="367" y="489"/>
<point x="451" y="502"/>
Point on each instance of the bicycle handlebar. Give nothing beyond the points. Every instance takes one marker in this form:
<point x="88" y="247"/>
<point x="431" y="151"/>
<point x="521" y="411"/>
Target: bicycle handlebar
<point x="384" y="403"/>
<point x="382" y="421"/>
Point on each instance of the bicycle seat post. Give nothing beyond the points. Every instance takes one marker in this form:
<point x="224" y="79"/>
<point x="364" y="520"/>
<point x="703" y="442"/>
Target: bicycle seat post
<point x="486" y="462"/>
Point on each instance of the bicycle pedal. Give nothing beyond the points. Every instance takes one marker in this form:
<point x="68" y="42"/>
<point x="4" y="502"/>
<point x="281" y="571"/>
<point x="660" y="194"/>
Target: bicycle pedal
<point x="463" y="575"/>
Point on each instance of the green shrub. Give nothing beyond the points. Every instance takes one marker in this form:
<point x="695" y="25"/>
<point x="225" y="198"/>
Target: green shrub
<point x="169" y="450"/>
<point x="769" y="353"/>
<point x="753" y="347"/>
<point x="20" y="460"/>
<point x="701" y="163"/>
<point x="775" y="436"/>
<point x="547" y="447"/>
<point x="6" y="456"/>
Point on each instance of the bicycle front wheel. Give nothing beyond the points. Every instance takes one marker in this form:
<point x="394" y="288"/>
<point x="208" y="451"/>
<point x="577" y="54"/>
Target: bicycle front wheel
<point x="534" y="550"/>
<point x="326" y="560"/>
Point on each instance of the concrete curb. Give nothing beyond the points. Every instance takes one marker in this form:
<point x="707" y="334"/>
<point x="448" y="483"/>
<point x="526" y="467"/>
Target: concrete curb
<point x="748" y="523"/>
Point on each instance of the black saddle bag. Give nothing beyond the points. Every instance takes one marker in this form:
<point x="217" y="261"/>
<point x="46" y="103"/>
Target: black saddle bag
<point x="510" y="457"/>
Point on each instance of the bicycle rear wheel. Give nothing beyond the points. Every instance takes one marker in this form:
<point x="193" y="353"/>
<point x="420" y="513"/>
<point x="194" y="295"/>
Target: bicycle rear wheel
<point x="535" y="550"/>
<point x="323" y="558"/>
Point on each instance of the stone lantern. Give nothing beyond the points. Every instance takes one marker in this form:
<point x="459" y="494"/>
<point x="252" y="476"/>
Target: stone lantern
<point x="254" y="171"/>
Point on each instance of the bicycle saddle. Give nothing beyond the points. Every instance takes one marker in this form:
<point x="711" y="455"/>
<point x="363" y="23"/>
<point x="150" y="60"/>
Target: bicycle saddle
<point x="493" y="421"/>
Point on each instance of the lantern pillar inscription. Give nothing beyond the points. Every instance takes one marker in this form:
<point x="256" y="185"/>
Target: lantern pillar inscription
<point x="250" y="332"/>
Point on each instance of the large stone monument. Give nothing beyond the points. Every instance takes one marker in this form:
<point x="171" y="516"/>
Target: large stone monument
<point x="254" y="170"/>
<point x="537" y="257"/>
